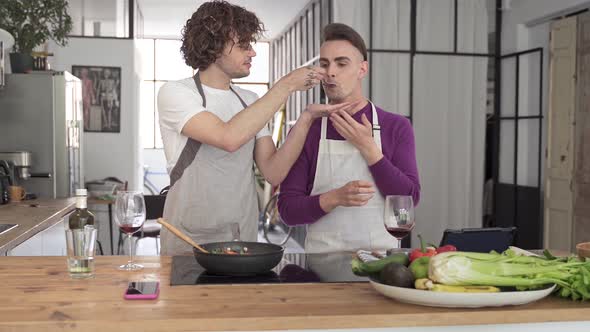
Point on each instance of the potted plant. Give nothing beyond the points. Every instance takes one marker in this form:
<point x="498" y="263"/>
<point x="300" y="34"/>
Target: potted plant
<point x="32" y="23"/>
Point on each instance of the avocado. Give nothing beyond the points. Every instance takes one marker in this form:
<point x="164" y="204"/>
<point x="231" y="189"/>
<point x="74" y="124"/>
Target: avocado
<point x="395" y="274"/>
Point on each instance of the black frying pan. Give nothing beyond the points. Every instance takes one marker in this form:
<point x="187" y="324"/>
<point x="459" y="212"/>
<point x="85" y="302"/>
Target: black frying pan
<point x="260" y="257"/>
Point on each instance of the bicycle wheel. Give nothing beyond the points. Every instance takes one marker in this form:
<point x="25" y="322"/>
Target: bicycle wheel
<point x="147" y="189"/>
<point x="280" y="233"/>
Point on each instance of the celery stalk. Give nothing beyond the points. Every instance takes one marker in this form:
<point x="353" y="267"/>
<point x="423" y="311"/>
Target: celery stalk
<point x="571" y="275"/>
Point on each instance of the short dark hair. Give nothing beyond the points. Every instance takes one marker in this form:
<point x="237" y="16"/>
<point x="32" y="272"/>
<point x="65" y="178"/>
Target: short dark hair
<point x="214" y="24"/>
<point x="339" y="31"/>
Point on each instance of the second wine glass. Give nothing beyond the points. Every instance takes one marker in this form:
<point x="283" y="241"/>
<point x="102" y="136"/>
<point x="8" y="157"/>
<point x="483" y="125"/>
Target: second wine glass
<point x="398" y="216"/>
<point x="130" y="216"/>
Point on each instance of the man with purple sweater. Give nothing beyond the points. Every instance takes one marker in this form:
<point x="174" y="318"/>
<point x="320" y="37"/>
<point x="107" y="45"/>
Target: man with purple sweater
<point x="351" y="160"/>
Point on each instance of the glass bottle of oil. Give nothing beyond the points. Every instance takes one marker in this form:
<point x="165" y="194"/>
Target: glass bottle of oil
<point x="81" y="238"/>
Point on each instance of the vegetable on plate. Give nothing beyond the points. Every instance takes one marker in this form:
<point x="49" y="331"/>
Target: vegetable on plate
<point x="571" y="275"/>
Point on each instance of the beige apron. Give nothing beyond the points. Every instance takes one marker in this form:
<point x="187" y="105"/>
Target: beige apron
<point x="210" y="189"/>
<point x="346" y="228"/>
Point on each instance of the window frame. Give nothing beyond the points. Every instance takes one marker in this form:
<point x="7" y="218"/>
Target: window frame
<point x="156" y="142"/>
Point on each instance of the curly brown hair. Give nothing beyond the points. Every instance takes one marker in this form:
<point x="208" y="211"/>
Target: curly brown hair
<point x="214" y="24"/>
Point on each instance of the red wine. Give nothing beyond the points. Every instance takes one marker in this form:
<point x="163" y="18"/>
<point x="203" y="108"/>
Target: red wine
<point x="400" y="232"/>
<point x="129" y="228"/>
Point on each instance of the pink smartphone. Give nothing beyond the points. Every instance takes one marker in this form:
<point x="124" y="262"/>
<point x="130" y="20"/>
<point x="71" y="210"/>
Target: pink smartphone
<point x="142" y="290"/>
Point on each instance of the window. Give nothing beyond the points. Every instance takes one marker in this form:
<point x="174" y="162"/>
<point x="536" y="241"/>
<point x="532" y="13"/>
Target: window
<point x="161" y="61"/>
<point x="105" y="18"/>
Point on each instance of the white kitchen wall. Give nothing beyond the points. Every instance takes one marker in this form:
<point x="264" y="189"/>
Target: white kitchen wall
<point x="515" y="33"/>
<point x="109" y="154"/>
<point x="526" y="25"/>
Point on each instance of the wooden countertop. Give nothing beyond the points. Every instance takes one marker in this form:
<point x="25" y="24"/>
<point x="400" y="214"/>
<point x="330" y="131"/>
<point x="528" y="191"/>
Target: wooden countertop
<point x="32" y="216"/>
<point x="36" y="294"/>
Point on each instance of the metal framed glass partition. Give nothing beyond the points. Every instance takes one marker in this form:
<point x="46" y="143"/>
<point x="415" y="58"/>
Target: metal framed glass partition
<point x="296" y="46"/>
<point x="514" y="204"/>
<point x="519" y="139"/>
<point x="408" y="55"/>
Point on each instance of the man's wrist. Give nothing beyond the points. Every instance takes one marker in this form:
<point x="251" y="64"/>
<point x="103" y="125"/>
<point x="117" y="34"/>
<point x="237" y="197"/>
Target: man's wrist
<point x="371" y="153"/>
<point x="328" y="201"/>
<point x="306" y="118"/>
<point x="284" y="85"/>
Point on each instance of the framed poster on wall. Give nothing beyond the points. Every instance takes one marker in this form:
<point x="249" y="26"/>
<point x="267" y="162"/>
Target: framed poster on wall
<point x="101" y="97"/>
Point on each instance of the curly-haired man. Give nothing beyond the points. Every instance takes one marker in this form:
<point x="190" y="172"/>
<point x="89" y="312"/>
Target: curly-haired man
<point x="213" y="131"/>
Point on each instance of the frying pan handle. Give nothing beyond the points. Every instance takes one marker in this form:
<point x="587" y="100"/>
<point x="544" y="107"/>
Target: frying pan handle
<point x="181" y="235"/>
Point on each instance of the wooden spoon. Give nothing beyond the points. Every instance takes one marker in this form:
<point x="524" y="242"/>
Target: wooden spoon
<point x="181" y="235"/>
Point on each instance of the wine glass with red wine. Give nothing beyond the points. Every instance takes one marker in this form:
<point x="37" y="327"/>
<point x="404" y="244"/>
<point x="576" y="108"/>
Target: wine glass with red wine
<point x="398" y="216"/>
<point x="130" y="216"/>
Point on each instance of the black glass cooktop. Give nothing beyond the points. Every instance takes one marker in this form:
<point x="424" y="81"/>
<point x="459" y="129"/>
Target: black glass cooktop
<point x="294" y="268"/>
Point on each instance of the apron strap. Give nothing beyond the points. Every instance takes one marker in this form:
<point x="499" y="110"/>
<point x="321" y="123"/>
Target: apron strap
<point x="376" y="128"/>
<point x="189" y="152"/>
<point x="324" y="127"/>
<point x="197" y="79"/>
<point x="240" y="98"/>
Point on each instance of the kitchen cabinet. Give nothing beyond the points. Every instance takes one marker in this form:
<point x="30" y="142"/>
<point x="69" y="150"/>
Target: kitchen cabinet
<point x="49" y="242"/>
<point x="40" y="227"/>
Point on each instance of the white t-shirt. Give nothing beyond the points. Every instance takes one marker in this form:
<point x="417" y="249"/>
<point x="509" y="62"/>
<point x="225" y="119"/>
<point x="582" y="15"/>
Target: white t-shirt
<point x="178" y="101"/>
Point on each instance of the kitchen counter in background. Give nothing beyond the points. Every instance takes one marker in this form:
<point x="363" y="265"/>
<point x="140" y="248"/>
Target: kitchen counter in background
<point x="32" y="217"/>
<point x="37" y="294"/>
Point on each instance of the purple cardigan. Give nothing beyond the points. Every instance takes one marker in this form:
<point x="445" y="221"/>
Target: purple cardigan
<point x="395" y="174"/>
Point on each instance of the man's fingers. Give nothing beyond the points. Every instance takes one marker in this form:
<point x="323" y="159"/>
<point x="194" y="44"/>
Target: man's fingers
<point x="336" y="106"/>
<point x="341" y="126"/>
<point x="366" y="121"/>
<point x="347" y="117"/>
<point x="339" y="118"/>
<point x="318" y="69"/>
<point x="341" y="130"/>
<point x="365" y="190"/>
<point x="326" y="110"/>
<point x="365" y="198"/>
<point x="353" y="105"/>
<point x="346" y="120"/>
<point x="316" y="72"/>
<point x="309" y="82"/>
<point x="316" y="75"/>
<point x="361" y="190"/>
<point x="346" y="106"/>
<point x="362" y="183"/>
<point x="359" y="201"/>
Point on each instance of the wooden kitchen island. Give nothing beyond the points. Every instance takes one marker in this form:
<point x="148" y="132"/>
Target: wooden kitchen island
<point x="37" y="294"/>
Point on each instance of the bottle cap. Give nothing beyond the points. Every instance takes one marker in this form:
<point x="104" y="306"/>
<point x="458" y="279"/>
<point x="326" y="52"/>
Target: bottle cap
<point x="81" y="192"/>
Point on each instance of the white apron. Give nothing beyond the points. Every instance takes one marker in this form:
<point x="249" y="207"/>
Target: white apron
<point x="210" y="189"/>
<point x="347" y="228"/>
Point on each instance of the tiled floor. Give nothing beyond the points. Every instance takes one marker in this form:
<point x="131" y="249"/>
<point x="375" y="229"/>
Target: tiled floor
<point x="147" y="246"/>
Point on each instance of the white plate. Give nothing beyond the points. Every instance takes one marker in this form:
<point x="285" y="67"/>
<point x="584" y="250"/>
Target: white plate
<point x="460" y="300"/>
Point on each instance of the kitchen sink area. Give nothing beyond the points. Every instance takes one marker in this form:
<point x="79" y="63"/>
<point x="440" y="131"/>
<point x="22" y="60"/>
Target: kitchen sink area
<point x="6" y="227"/>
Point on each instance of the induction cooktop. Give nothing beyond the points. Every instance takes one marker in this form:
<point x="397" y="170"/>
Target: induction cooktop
<point x="293" y="268"/>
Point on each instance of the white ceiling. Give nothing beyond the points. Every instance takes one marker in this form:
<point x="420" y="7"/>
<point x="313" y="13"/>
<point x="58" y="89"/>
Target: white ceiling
<point x="166" y="19"/>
